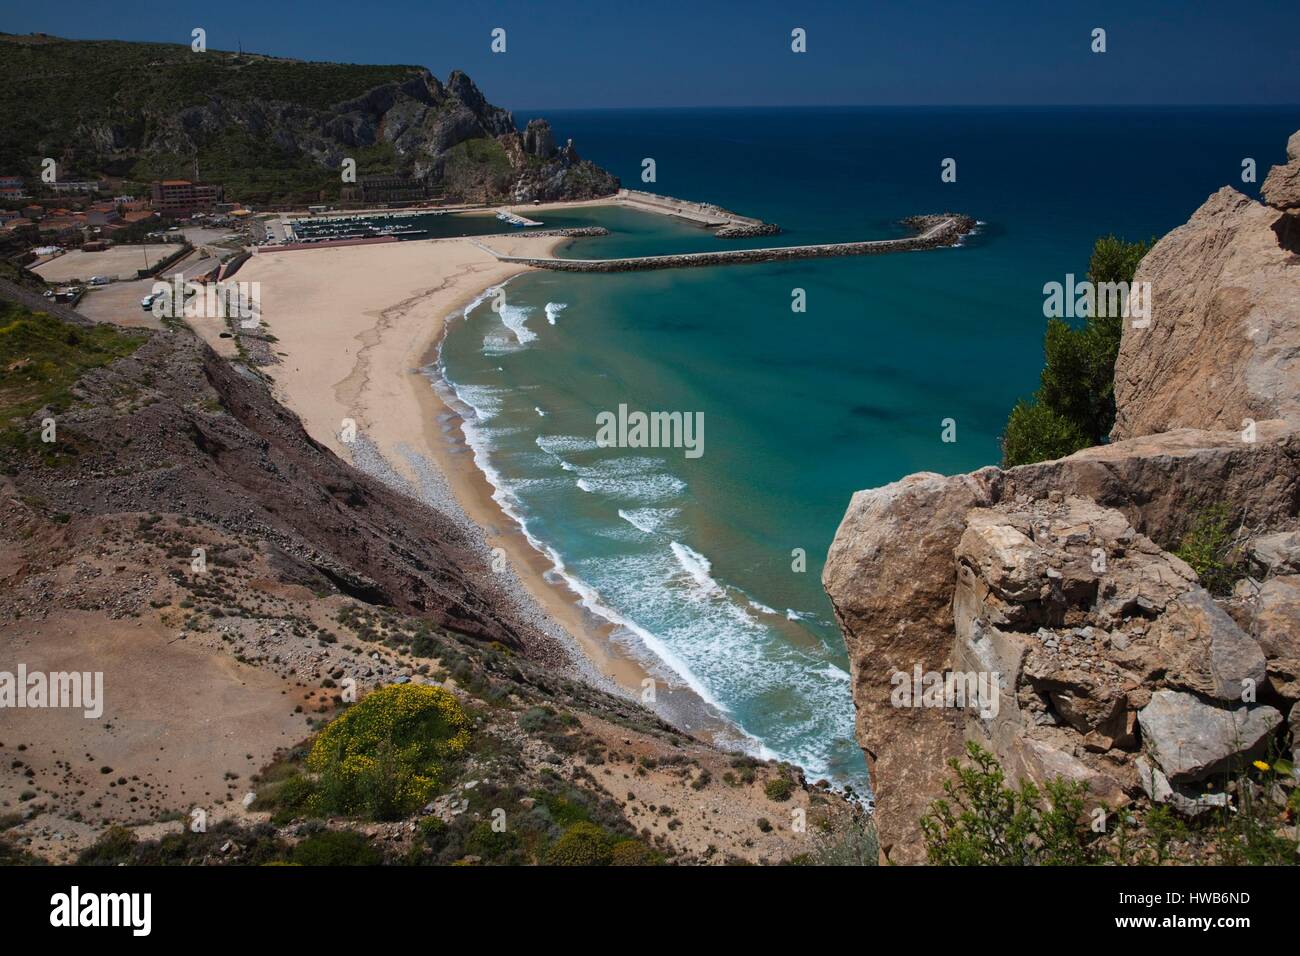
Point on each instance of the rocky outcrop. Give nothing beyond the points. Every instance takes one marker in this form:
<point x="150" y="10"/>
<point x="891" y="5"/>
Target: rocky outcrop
<point x="1282" y="185"/>
<point x="1080" y="617"/>
<point x="538" y="139"/>
<point x="543" y="172"/>
<point x="1222" y="345"/>
<point x="1112" y="665"/>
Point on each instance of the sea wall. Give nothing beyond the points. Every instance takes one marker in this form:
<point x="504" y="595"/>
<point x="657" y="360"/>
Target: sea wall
<point x="947" y="232"/>
<point x="729" y="225"/>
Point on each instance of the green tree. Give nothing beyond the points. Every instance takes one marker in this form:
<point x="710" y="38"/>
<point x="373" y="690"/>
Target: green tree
<point x="1036" y="433"/>
<point x="1074" y="406"/>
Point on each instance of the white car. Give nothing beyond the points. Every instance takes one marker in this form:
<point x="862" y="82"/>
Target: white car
<point x="147" y="302"/>
<point x="99" y="280"/>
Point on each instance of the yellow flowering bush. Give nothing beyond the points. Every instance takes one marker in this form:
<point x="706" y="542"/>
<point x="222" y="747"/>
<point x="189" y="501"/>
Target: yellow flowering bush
<point x="383" y="756"/>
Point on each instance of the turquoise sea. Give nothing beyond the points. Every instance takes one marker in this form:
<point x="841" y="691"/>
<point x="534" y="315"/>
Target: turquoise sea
<point x="697" y="557"/>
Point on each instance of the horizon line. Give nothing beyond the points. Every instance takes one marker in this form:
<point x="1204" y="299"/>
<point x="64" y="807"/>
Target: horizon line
<point x="917" y="106"/>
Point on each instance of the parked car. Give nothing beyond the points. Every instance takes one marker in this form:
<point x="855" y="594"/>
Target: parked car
<point x="99" y="280"/>
<point x="147" y="302"/>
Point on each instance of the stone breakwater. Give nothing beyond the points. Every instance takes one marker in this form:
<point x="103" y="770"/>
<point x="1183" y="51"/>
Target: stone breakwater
<point x="575" y="232"/>
<point x="936" y="232"/>
<point x="727" y="224"/>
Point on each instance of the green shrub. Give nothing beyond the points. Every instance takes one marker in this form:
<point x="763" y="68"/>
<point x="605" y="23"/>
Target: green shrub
<point x="1036" y="433"/>
<point x="336" y="848"/>
<point x="383" y="756"/>
<point x="286" y="799"/>
<point x="583" y="844"/>
<point x="1211" y="550"/>
<point x="115" y="845"/>
<point x="633" y="853"/>
<point x="982" y="822"/>
<point x="852" y="844"/>
<point x="778" y="789"/>
<point x="491" y="845"/>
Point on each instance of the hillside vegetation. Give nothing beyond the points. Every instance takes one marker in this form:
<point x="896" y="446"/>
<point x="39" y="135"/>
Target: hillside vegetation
<point x="270" y="130"/>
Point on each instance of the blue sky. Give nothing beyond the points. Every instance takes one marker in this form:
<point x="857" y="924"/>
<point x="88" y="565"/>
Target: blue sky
<point x="660" y="53"/>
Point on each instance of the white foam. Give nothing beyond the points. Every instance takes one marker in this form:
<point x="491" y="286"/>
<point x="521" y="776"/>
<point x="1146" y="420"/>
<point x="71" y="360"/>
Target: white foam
<point x="553" y="309"/>
<point x="648" y="520"/>
<point x="515" y="317"/>
<point x="637" y="489"/>
<point x="560" y="444"/>
<point x="697" y="566"/>
<point x="540" y="413"/>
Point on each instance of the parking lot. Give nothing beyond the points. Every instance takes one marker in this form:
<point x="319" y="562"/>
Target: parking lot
<point x="119" y="302"/>
<point x="116" y="262"/>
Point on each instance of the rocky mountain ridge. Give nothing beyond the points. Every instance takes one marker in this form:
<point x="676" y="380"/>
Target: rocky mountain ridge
<point x="155" y="109"/>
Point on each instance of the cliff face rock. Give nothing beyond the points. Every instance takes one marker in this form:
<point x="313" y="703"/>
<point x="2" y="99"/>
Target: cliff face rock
<point x="894" y="606"/>
<point x="1114" y="666"/>
<point x="1080" y="616"/>
<point x="1223" y="344"/>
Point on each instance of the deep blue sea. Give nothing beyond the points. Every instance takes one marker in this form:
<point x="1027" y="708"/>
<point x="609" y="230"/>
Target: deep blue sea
<point x="697" y="557"/>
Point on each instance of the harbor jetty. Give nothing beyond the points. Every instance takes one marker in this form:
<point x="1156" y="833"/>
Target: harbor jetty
<point x="724" y="223"/>
<point x="932" y="232"/>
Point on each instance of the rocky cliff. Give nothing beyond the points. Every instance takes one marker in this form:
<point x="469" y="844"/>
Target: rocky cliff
<point x="268" y="126"/>
<point x="1115" y="666"/>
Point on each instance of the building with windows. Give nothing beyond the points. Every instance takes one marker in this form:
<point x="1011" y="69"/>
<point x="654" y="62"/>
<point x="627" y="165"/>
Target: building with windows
<point x="11" y="187"/>
<point x="180" y="197"/>
<point x="381" y="190"/>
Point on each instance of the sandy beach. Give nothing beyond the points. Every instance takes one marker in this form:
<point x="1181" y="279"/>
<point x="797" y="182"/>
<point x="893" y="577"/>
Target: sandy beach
<point x="355" y="330"/>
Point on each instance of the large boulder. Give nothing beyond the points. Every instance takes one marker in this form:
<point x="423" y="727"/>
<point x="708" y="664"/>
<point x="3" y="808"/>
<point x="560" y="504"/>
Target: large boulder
<point x="889" y="574"/>
<point x="1191" y="740"/>
<point x="1277" y="616"/>
<point x="1277" y="553"/>
<point x="1075" y="616"/>
<point x="1222" y="344"/>
<point x="1203" y="649"/>
<point x="1282" y="185"/>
